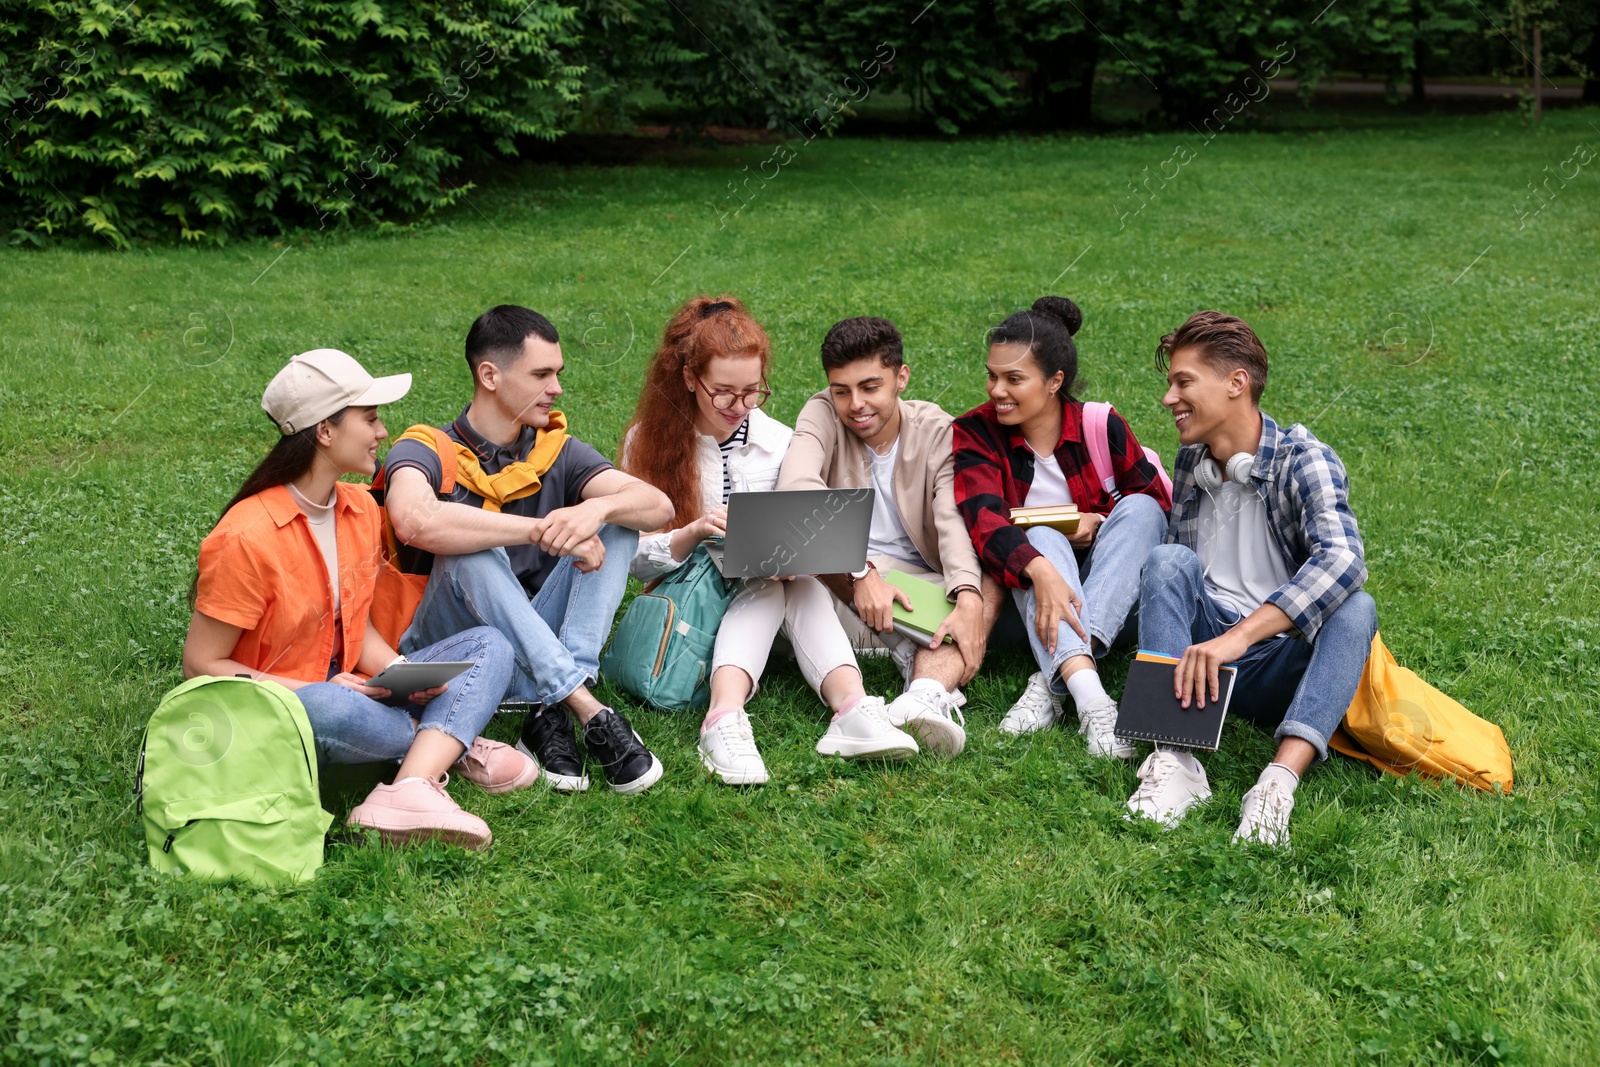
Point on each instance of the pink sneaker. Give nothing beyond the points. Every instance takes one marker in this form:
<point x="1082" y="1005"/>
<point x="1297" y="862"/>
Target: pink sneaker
<point x="496" y="768"/>
<point x="418" y="809"/>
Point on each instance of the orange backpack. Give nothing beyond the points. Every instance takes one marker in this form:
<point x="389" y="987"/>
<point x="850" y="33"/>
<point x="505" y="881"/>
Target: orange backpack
<point x="1400" y="724"/>
<point x="398" y="592"/>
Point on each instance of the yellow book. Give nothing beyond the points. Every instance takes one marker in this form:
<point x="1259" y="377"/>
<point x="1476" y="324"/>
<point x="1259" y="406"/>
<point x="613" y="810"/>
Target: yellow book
<point x="1063" y="517"/>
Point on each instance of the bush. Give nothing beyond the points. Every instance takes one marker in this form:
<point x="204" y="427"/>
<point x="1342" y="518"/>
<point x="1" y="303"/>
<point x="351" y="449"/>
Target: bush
<point x="202" y="119"/>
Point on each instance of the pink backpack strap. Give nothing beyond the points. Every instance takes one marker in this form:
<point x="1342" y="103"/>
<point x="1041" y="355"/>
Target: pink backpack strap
<point x="1098" y="440"/>
<point x="1095" y="414"/>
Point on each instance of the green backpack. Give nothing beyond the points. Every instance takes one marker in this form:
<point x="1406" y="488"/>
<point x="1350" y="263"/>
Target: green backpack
<point x="227" y="783"/>
<point x="661" y="652"/>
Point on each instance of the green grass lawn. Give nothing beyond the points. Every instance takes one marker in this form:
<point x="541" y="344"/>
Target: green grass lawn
<point x="992" y="908"/>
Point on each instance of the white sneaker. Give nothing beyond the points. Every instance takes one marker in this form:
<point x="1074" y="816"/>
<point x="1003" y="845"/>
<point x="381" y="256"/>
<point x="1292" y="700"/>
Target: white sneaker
<point x="1098" y="724"/>
<point x="866" y="734"/>
<point x="729" y="751"/>
<point x="1167" y="789"/>
<point x="1038" y="709"/>
<point x="930" y="715"/>
<point x="1264" y="815"/>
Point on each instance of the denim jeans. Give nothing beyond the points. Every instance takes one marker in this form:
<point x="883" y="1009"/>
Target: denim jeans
<point x="349" y="727"/>
<point x="1284" y="684"/>
<point x="1107" y="581"/>
<point x="556" y="636"/>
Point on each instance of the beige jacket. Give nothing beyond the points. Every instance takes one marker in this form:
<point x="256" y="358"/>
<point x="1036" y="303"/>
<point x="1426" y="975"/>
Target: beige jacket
<point x="824" y="454"/>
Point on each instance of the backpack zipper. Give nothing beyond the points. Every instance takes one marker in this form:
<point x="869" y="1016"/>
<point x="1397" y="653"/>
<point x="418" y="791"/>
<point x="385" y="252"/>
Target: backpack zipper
<point x="173" y="834"/>
<point x="666" y="634"/>
<point x="138" y="779"/>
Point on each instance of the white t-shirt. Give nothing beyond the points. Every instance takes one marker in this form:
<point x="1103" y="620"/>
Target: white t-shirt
<point x="1241" y="562"/>
<point x="324" y="526"/>
<point x="888" y="536"/>
<point x="1049" y="486"/>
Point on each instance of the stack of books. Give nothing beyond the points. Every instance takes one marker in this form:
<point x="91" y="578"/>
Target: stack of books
<point x="1063" y="517"/>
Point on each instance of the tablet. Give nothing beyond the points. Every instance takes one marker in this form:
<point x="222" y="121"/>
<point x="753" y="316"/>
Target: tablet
<point x="403" y="679"/>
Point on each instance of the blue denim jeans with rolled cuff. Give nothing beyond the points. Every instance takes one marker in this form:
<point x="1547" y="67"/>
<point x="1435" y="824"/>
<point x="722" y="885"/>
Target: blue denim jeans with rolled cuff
<point x="556" y="636"/>
<point x="349" y="727"/>
<point x="1285" y="684"/>
<point x="1107" y="581"/>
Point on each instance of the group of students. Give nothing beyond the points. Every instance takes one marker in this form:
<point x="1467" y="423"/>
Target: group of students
<point x="1249" y="556"/>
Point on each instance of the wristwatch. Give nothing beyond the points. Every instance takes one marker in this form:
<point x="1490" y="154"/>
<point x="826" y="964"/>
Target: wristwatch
<point x="856" y="576"/>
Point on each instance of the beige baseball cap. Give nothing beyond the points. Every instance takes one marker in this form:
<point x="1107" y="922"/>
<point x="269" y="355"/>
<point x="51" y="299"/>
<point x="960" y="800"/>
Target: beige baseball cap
<point x="324" y="381"/>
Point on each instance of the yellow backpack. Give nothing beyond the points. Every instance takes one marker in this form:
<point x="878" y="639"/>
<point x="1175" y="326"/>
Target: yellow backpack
<point x="1401" y="724"/>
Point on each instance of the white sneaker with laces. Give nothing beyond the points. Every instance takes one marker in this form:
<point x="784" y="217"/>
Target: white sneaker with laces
<point x="728" y="750"/>
<point x="930" y="714"/>
<point x="1098" y="724"/>
<point x="1264" y="815"/>
<point x="1167" y="789"/>
<point x="1037" y="709"/>
<point x="865" y="733"/>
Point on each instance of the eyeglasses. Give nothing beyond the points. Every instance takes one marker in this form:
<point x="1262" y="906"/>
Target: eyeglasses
<point x="724" y="399"/>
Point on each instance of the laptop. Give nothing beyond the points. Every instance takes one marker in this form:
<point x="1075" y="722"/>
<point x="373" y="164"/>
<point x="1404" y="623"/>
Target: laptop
<point x="794" y="531"/>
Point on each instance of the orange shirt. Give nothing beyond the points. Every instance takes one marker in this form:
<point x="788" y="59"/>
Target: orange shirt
<point x="261" y="570"/>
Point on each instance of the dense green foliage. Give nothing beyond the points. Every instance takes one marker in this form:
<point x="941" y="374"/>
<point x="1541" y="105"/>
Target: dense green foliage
<point x="991" y="909"/>
<point x="200" y="119"/>
<point x="197" y="120"/>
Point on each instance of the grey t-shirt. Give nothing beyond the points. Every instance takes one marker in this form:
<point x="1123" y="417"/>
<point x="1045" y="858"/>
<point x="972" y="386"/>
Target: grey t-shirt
<point x="560" y="487"/>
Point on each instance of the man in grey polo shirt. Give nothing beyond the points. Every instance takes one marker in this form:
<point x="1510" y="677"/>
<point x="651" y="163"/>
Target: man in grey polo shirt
<point x="534" y="539"/>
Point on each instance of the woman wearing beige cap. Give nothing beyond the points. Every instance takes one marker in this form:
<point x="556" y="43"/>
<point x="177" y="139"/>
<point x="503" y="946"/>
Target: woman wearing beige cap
<point x="284" y="590"/>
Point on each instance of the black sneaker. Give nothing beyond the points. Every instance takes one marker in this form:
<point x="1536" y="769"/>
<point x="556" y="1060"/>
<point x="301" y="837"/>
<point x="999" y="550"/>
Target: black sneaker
<point x="627" y="765"/>
<point x="547" y="740"/>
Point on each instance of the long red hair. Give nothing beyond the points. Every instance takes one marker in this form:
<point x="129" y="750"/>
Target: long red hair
<point x="662" y="448"/>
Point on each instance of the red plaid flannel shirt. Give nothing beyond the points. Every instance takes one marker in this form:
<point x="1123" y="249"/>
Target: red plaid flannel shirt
<point x="994" y="468"/>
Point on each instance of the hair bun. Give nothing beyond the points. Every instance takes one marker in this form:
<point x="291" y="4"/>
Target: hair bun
<point x="1060" y="307"/>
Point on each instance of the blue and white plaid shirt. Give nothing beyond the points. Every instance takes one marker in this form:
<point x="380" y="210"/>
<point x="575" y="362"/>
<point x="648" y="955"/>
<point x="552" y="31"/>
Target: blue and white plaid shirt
<point x="1307" y="496"/>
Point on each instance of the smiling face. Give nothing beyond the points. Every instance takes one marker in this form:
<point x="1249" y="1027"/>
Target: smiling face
<point x="525" y="390"/>
<point x="351" y="444"/>
<point x="1205" y="401"/>
<point x="866" y="396"/>
<point x="1017" y="386"/>
<point x="722" y="374"/>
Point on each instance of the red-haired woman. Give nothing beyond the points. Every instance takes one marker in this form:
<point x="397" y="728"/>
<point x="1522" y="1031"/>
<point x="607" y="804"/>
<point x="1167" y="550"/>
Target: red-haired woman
<point x="699" y="434"/>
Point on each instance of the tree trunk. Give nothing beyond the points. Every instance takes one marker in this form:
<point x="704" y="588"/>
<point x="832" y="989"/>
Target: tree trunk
<point x="1419" y="87"/>
<point x="1591" y="61"/>
<point x="1063" y="81"/>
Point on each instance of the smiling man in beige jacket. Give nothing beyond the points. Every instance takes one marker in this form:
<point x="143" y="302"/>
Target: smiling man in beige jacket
<point x="859" y="433"/>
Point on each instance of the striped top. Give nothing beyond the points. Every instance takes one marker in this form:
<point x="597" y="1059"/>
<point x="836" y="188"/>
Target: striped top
<point x="735" y="439"/>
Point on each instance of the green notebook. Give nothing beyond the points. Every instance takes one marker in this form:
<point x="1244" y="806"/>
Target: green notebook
<point x="929" y="607"/>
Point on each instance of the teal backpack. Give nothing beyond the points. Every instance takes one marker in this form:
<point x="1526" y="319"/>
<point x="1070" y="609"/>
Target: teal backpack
<point x="661" y="652"/>
<point x="227" y="783"/>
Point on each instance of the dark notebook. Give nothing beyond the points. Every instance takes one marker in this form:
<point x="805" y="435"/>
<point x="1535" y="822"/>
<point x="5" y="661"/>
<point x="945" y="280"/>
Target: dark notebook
<point x="1149" y="712"/>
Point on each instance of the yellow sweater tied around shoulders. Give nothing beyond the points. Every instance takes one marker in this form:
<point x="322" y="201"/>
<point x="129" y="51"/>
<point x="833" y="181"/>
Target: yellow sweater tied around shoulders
<point x="514" y="481"/>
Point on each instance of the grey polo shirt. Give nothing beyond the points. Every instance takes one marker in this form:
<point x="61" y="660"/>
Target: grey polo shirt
<point x="560" y="487"/>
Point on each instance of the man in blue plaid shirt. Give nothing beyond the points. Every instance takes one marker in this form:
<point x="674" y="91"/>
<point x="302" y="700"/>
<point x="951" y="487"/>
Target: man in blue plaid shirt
<point x="1262" y="569"/>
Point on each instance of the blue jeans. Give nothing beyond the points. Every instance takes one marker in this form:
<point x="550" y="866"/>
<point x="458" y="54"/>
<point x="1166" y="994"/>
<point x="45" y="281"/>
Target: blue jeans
<point x="351" y="728"/>
<point x="556" y="636"/>
<point x="1285" y="684"/>
<point x="1107" y="581"/>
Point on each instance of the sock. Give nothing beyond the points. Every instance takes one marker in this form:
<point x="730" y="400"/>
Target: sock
<point x="716" y="715"/>
<point x="1285" y="778"/>
<point x="918" y="684"/>
<point x="409" y="778"/>
<point x="1085" y="687"/>
<point x="848" y="707"/>
<point x="1185" y="759"/>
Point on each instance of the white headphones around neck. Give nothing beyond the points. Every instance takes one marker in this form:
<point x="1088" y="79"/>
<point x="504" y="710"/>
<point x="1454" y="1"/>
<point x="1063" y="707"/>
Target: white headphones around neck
<point x="1209" y="476"/>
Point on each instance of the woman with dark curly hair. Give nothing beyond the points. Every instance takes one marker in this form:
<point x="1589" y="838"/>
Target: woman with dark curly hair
<point x="1027" y="447"/>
